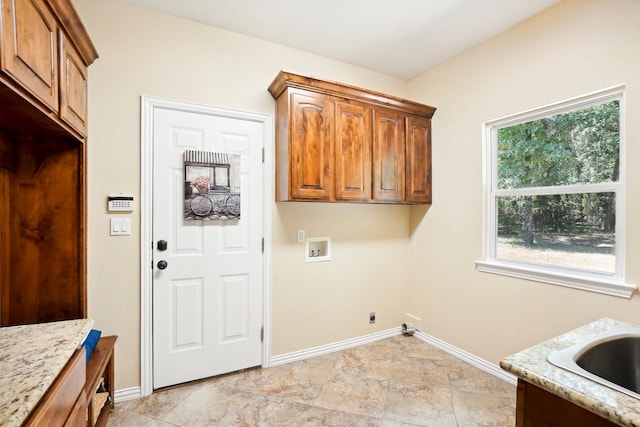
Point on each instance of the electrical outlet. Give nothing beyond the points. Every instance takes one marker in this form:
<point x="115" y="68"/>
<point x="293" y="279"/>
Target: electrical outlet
<point x="372" y="317"/>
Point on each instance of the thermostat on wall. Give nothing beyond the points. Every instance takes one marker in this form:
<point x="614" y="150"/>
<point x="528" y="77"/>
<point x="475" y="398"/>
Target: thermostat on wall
<point x="120" y="202"/>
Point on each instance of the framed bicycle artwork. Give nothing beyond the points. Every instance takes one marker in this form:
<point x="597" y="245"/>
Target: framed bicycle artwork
<point x="212" y="185"/>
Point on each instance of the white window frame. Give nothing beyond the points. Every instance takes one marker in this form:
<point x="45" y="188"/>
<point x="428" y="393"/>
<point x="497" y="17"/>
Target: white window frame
<point x="601" y="282"/>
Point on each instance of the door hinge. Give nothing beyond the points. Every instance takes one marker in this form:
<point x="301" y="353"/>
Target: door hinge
<point x="262" y="154"/>
<point x="262" y="334"/>
<point x="263" y="245"/>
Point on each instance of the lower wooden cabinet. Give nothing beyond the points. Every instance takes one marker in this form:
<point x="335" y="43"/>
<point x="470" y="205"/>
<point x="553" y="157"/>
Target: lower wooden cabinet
<point x="64" y="403"/>
<point x="99" y="387"/>
<point x="78" y="415"/>
<point x="71" y="399"/>
<point x="536" y="407"/>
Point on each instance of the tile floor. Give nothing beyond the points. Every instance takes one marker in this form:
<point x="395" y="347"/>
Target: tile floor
<point x="396" y="382"/>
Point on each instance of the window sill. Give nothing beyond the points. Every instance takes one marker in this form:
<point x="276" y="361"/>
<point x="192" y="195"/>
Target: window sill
<point x="593" y="282"/>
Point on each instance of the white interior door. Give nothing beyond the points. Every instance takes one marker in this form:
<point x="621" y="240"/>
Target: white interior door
<point x="208" y="301"/>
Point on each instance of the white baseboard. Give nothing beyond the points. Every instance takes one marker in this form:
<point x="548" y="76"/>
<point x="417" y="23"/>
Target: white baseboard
<point x="366" y="339"/>
<point x="135" y="392"/>
<point x="330" y="348"/>
<point x="467" y="357"/>
<point x="125" y="394"/>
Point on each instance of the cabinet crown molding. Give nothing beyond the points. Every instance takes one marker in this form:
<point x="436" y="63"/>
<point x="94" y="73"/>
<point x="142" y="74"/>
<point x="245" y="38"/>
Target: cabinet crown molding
<point x="73" y="26"/>
<point x="286" y="79"/>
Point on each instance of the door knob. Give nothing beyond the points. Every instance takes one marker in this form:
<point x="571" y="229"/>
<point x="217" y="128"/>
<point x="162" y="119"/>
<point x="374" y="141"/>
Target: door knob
<point x="162" y="264"/>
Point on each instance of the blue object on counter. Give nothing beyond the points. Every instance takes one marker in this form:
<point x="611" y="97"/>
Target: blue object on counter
<point x="91" y="341"/>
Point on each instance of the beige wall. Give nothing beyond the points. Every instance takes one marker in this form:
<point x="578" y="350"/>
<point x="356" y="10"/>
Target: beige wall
<point x="147" y="53"/>
<point x="576" y="47"/>
<point x="388" y="259"/>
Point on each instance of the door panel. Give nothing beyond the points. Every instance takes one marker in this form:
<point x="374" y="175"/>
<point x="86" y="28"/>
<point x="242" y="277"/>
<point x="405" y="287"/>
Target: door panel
<point x="235" y="293"/>
<point x="187" y="311"/>
<point x="418" y="160"/>
<point x="311" y="147"/>
<point x="29" y="48"/>
<point x="389" y="156"/>
<point x="207" y="303"/>
<point x="354" y="136"/>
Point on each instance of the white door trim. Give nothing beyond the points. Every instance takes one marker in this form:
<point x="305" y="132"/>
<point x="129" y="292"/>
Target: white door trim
<point x="148" y="106"/>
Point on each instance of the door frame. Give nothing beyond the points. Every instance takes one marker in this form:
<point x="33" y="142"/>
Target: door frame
<point x="148" y="106"/>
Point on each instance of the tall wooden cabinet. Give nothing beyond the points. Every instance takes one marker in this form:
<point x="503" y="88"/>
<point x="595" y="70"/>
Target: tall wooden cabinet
<point x="44" y="55"/>
<point x="340" y="143"/>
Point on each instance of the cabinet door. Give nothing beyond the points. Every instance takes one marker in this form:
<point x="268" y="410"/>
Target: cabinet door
<point x="311" y="147"/>
<point x="78" y="415"/>
<point x="60" y="399"/>
<point x="73" y="87"/>
<point x="28" y="48"/>
<point x="538" y="407"/>
<point x="354" y="135"/>
<point x="389" y="156"/>
<point x="418" y="160"/>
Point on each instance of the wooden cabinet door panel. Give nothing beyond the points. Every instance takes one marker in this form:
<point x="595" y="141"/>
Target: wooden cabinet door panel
<point x="537" y="407"/>
<point x="29" y="48"/>
<point x="60" y="399"/>
<point x="73" y="87"/>
<point x="389" y="156"/>
<point x="354" y="135"/>
<point x="311" y="147"/>
<point x="78" y="415"/>
<point x="418" y="160"/>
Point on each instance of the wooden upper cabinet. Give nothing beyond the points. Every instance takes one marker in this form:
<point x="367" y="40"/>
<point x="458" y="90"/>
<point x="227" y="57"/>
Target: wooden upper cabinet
<point x="45" y="52"/>
<point x="418" y="160"/>
<point x="29" y="51"/>
<point x="340" y="143"/>
<point x="353" y="151"/>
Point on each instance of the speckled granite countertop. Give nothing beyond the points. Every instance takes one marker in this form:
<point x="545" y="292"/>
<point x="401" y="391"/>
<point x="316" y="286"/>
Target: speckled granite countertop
<point x="531" y="365"/>
<point x="31" y="357"/>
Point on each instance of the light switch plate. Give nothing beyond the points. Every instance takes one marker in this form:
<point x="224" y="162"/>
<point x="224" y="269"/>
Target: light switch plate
<point x="120" y="226"/>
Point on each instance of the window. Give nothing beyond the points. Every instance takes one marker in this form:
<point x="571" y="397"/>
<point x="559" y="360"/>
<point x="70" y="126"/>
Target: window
<point x="555" y="194"/>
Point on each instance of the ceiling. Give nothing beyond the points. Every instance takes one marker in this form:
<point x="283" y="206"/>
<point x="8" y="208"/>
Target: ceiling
<point x="401" y="38"/>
